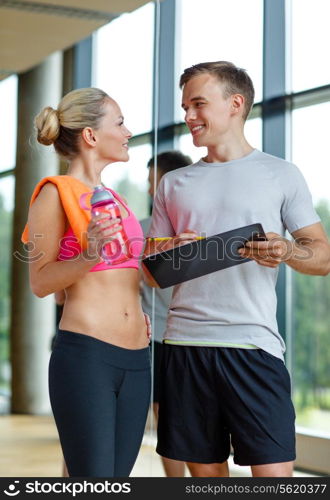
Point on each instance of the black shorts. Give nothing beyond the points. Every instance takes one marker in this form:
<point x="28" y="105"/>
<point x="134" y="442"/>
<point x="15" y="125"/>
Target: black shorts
<point x="158" y="349"/>
<point x="214" y="397"/>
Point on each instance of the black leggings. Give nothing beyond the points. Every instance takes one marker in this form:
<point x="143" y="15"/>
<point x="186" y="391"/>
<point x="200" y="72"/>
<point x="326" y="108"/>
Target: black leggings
<point x="99" y="395"/>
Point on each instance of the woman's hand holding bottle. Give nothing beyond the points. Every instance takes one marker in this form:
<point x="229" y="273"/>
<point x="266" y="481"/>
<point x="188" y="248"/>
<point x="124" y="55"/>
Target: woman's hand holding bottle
<point x="99" y="232"/>
<point x="106" y="222"/>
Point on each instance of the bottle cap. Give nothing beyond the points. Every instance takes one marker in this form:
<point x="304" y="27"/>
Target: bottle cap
<point x="100" y="194"/>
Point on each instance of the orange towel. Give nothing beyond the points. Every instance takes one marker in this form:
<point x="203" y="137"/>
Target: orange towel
<point x="70" y="190"/>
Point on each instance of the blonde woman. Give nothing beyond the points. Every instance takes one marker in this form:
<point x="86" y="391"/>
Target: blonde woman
<point x="99" y="373"/>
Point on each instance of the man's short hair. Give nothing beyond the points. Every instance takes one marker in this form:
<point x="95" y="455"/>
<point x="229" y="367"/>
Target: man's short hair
<point x="236" y="80"/>
<point x="170" y="160"/>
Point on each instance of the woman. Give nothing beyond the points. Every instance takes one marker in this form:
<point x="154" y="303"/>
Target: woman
<point x="99" y="373"/>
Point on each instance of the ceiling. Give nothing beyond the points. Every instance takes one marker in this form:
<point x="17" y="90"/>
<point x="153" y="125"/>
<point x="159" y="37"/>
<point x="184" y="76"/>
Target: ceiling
<point x="31" y="30"/>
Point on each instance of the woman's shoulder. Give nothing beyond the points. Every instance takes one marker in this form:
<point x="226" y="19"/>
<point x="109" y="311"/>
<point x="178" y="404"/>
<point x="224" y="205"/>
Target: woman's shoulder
<point x="62" y="185"/>
<point x="45" y="201"/>
<point x="44" y="188"/>
<point x="48" y="189"/>
<point x="47" y="196"/>
<point x="56" y="180"/>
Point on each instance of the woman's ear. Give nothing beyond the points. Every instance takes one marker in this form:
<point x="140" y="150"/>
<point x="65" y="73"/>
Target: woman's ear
<point x="88" y="136"/>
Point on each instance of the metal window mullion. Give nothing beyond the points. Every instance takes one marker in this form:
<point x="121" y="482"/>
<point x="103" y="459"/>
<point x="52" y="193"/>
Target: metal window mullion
<point x="274" y="111"/>
<point x="164" y="87"/>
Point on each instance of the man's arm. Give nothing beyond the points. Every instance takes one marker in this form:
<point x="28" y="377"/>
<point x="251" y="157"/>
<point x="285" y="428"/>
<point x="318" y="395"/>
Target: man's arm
<point x="308" y="253"/>
<point x="311" y="251"/>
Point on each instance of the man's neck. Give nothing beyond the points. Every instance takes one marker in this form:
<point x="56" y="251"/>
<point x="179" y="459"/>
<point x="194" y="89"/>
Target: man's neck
<point x="228" y="152"/>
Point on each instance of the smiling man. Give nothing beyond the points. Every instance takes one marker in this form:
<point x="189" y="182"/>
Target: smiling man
<point x="224" y="378"/>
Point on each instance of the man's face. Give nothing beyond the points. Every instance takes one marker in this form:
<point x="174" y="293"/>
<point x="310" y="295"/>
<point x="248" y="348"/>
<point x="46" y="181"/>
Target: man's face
<point x="207" y="113"/>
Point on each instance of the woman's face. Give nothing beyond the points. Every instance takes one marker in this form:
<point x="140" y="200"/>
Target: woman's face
<point x="112" y="135"/>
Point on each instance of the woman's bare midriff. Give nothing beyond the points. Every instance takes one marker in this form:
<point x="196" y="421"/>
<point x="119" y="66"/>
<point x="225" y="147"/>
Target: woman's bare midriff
<point x="106" y="305"/>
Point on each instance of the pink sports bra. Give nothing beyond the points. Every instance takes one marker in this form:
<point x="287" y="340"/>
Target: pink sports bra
<point x="70" y="247"/>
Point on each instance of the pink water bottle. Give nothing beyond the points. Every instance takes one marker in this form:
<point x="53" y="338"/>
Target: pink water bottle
<point x="102" y="202"/>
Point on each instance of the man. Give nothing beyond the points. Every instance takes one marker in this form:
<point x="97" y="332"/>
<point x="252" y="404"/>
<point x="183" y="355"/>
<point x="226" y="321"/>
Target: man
<point x="224" y="376"/>
<point x="165" y="162"/>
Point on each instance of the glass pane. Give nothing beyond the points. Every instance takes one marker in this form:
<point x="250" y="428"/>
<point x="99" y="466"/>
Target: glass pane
<point x="123" y="58"/>
<point x="310" y="149"/>
<point x="213" y="30"/>
<point x="310" y="44"/>
<point x="130" y="179"/>
<point x="6" y="213"/>
<point x="8" y="123"/>
<point x="311" y="294"/>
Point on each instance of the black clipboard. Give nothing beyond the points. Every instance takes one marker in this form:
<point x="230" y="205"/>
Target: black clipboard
<point x="201" y="257"/>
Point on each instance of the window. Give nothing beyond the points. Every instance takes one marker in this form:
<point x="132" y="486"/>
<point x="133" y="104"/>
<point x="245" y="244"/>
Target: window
<point x="124" y="64"/>
<point x="6" y="213"/>
<point x="311" y="294"/>
<point x="8" y="134"/>
<point x="213" y="30"/>
<point x="253" y="132"/>
<point x="8" y="122"/>
<point x="310" y="44"/>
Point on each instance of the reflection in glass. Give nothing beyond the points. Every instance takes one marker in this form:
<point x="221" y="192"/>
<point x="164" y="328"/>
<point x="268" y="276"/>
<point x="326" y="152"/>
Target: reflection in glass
<point x="8" y="122"/>
<point x="311" y="294"/>
<point x="123" y="58"/>
<point x="6" y="213"/>
<point x="310" y="44"/>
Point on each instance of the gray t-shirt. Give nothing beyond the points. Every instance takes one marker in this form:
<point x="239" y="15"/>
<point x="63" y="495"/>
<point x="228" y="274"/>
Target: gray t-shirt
<point x="162" y="299"/>
<point x="234" y="307"/>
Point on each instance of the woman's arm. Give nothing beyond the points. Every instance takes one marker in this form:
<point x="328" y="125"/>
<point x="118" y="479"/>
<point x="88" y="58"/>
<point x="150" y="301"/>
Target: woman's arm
<point x="46" y="223"/>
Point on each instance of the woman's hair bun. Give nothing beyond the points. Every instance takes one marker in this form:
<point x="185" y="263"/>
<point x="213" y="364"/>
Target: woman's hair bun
<point x="48" y="126"/>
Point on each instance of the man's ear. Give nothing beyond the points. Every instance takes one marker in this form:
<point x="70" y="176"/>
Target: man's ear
<point x="88" y="136"/>
<point x="237" y="103"/>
